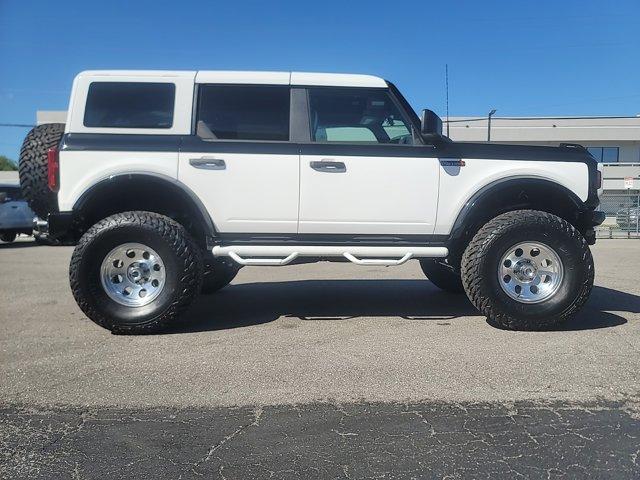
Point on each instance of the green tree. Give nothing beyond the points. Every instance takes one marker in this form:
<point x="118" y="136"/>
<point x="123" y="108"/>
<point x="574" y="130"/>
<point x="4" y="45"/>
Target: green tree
<point x="6" y="164"/>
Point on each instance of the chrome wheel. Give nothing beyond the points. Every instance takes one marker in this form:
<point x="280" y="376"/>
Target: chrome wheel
<point x="530" y="272"/>
<point x="132" y="274"/>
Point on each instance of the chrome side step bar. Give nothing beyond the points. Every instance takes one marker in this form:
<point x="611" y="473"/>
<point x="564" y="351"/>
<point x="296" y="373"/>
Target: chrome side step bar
<point x="278" y="255"/>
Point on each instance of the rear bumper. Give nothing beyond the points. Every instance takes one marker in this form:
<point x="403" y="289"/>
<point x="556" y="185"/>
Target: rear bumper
<point x="17" y="230"/>
<point x="17" y="223"/>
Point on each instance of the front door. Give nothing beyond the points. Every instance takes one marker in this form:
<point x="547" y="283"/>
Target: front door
<point x="240" y="163"/>
<point x="361" y="173"/>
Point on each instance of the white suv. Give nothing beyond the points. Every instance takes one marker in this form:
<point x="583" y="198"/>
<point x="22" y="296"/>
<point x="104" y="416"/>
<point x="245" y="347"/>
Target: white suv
<point x="169" y="182"/>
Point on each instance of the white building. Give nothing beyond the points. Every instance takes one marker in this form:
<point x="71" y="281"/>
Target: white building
<point x="614" y="141"/>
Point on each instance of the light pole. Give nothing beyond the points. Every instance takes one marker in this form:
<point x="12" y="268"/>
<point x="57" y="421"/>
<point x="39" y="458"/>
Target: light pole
<point x="489" y="124"/>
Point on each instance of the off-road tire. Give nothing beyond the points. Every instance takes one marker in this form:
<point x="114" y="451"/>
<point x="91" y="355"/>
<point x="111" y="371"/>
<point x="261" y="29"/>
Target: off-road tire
<point x="441" y="275"/>
<point x="181" y="257"/>
<point x="8" y="237"/>
<point x="33" y="168"/>
<point x="484" y="252"/>
<point x="218" y="273"/>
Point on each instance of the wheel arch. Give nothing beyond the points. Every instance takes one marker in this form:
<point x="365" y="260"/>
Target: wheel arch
<point x="150" y="192"/>
<point x="514" y="193"/>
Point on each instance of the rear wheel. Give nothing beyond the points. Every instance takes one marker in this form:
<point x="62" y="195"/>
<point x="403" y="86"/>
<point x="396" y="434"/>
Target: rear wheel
<point x="8" y="237"/>
<point x="135" y="272"/>
<point x="33" y="167"/>
<point x="441" y="275"/>
<point x="528" y="270"/>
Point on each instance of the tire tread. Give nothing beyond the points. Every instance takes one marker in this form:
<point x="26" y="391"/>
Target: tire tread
<point x="181" y="242"/>
<point x="475" y="255"/>
<point x="33" y="167"/>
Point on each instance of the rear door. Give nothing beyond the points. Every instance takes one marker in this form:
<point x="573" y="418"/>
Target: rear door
<point x="361" y="173"/>
<point x="240" y="161"/>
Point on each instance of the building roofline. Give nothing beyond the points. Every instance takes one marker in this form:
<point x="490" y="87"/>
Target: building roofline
<point x="455" y="119"/>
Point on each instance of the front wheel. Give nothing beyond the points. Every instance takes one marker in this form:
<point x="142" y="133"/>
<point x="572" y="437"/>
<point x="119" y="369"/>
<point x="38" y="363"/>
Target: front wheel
<point x="528" y="270"/>
<point x="135" y="272"/>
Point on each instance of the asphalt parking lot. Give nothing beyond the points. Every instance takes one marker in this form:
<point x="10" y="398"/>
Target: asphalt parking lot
<point x="318" y="371"/>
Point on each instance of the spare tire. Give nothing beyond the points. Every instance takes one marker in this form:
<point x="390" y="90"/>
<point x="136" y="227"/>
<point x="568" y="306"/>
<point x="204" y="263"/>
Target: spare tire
<point x="33" y="167"/>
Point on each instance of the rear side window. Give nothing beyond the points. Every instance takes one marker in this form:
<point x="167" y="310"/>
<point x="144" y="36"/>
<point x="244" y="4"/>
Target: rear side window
<point x="130" y="105"/>
<point x="245" y="112"/>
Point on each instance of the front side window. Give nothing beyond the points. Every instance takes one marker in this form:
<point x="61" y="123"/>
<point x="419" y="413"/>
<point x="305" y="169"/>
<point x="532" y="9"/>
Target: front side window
<point x="244" y="112"/>
<point x="130" y="105"/>
<point x="356" y="115"/>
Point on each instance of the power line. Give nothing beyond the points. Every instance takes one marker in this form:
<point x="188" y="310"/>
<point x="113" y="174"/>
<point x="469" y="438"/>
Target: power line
<point x="22" y="125"/>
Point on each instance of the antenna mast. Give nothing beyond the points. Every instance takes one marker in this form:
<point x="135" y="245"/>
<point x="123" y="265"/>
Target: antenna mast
<point x="446" y="81"/>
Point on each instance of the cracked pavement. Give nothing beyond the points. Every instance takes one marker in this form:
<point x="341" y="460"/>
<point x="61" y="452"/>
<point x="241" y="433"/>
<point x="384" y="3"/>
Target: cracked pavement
<point x="318" y="371"/>
<point x="437" y="440"/>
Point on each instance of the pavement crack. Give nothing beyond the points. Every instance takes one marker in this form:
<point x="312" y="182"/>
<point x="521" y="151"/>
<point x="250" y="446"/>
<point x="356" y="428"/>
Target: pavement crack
<point x="84" y="416"/>
<point x="257" y="416"/>
<point x="344" y="434"/>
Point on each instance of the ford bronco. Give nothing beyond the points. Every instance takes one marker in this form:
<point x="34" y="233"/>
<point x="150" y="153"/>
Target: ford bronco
<point x="170" y="181"/>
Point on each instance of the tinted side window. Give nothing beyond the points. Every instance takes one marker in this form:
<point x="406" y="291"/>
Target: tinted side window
<point x="245" y="112"/>
<point x="130" y="105"/>
<point x="356" y="115"/>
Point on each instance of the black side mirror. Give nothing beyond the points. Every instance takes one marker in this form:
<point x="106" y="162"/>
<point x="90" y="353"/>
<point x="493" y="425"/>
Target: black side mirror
<point x="431" y="124"/>
<point x="3" y="197"/>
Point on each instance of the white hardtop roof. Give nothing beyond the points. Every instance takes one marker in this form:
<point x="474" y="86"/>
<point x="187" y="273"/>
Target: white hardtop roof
<point x="291" y="78"/>
<point x="247" y="77"/>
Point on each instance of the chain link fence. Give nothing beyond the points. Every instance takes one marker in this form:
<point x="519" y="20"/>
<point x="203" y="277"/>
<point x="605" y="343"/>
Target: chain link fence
<point x="622" y="210"/>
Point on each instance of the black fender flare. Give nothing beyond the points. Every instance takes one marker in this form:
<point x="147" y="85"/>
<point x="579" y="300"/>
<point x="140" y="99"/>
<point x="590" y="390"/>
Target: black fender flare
<point x="472" y="209"/>
<point x="171" y="184"/>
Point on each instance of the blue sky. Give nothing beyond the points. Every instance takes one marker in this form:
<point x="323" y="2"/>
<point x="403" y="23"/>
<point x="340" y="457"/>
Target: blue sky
<point x="523" y="58"/>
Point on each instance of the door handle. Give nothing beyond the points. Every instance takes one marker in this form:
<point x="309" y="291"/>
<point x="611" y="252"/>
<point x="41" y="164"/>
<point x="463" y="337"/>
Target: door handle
<point x="208" y="163"/>
<point x="328" y="166"/>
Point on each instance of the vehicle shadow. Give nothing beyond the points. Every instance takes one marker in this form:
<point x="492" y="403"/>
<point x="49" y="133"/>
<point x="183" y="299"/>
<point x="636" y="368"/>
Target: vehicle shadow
<point x="597" y="311"/>
<point x="318" y="300"/>
<point x="18" y="244"/>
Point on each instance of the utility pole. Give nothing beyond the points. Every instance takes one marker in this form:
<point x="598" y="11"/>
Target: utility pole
<point x="489" y="124"/>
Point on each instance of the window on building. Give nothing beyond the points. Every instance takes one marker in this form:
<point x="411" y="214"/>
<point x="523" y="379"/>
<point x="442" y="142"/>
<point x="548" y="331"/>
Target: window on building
<point x="245" y="112"/>
<point x="130" y="105"/>
<point x="605" y="154"/>
<point x="356" y="116"/>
